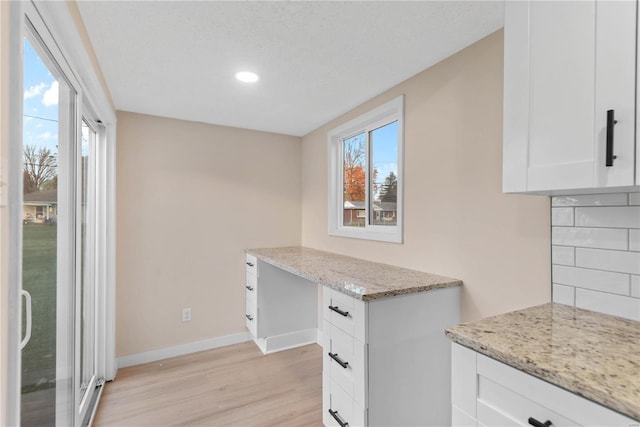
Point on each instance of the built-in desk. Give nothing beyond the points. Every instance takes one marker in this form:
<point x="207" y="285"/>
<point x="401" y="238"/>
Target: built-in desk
<point x="386" y="358"/>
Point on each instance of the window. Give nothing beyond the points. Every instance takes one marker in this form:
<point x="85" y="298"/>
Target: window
<point x="365" y="175"/>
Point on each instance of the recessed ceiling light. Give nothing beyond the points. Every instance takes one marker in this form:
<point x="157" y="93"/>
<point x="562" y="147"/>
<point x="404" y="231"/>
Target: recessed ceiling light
<point x="247" y="76"/>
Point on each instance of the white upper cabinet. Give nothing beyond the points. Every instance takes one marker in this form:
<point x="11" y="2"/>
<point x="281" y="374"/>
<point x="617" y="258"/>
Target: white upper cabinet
<point x="566" y="64"/>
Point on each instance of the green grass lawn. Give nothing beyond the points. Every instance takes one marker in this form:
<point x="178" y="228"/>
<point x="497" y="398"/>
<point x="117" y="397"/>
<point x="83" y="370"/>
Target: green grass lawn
<point x="39" y="279"/>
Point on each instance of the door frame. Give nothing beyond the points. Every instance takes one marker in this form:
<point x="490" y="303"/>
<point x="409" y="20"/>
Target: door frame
<point x="56" y="25"/>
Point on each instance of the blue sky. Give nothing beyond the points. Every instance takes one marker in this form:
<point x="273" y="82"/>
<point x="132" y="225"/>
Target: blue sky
<point x="385" y="150"/>
<point x="40" y="102"/>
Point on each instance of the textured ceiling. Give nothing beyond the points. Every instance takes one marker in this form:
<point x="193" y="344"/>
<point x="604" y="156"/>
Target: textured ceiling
<point x="316" y="59"/>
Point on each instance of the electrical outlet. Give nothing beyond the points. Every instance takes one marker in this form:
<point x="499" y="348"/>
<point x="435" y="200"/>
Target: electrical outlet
<point x="186" y="315"/>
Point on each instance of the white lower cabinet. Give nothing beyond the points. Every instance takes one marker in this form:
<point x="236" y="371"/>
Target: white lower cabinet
<point x="280" y="307"/>
<point x="251" y="294"/>
<point x="486" y="392"/>
<point x="387" y="361"/>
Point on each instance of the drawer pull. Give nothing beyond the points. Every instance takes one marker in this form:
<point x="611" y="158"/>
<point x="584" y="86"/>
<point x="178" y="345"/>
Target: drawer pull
<point x="249" y="288"/>
<point x="249" y="317"/>
<point x="337" y="417"/>
<point x="337" y="310"/>
<point x="611" y="121"/>
<point x="335" y="357"/>
<point x="250" y="264"/>
<point x="536" y="423"/>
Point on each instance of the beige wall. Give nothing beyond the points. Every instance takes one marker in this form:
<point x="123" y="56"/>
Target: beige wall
<point x="457" y="221"/>
<point x="190" y="198"/>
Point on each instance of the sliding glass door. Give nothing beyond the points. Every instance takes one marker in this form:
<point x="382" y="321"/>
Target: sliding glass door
<point x="59" y="240"/>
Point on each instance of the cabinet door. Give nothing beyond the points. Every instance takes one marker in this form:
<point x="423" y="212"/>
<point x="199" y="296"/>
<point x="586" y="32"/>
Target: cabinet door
<point x="566" y="64"/>
<point x="615" y="90"/>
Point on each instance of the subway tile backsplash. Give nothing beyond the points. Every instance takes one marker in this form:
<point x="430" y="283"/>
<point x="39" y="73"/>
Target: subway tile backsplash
<point x="562" y="216"/>
<point x="613" y="199"/>
<point x="596" y="252"/>
<point x="605" y="216"/>
<point x="605" y="238"/>
<point x="604" y="281"/>
<point x="563" y="255"/>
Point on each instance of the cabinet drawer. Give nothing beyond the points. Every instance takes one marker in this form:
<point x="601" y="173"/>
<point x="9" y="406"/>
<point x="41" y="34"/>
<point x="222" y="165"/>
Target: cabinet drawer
<point x="251" y="303"/>
<point x="498" y="405"/>
<point x="345" y="312"/>
<point x="347" y="350"/>
<point x="251" y="313"/>
<point x="337" y="401"/>
<point x="251" y="263"/>
<point x="251" y="283"/>
<point x="505" y="393"/>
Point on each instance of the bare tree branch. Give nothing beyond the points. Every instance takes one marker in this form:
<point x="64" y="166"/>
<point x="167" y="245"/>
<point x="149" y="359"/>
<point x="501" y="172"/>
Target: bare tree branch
<point x="40" y="168"/>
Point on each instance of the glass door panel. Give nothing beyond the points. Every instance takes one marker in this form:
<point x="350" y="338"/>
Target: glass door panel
<point x="47" y="103"/>
<point x="47" y="236"/>
<point x="87" y="279"/>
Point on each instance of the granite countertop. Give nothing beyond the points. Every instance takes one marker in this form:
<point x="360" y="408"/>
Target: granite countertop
<point x="356" y="277"/>
<point x="594" y="355"/>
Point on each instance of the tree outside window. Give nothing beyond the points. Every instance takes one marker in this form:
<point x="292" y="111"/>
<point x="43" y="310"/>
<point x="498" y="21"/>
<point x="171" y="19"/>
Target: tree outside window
<point x="365" y="175"/>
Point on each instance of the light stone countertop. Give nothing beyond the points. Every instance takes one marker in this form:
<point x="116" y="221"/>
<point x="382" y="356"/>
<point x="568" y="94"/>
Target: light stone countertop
<point x="594" y="355"/>
<point x="356" y="277"/>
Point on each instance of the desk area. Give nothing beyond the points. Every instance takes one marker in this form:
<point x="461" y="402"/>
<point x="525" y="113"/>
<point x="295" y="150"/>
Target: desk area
<point x="361" y="279"/>
<point x="386" y="358"/>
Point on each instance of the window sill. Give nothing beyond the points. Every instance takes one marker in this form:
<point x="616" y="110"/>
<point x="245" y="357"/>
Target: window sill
<point x="369" y="233"/>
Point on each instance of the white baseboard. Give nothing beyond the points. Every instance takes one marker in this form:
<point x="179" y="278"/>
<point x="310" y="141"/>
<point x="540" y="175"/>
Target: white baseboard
<point x="179" y="350"/>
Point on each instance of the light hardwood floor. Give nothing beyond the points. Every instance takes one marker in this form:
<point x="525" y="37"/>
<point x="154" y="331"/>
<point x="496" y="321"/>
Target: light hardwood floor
<point x="230" y="386"/>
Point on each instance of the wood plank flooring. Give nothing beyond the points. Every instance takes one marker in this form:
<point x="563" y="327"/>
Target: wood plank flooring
<point x="230" y="386"/>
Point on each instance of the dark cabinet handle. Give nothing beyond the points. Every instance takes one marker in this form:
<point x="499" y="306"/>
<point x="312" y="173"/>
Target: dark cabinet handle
<point x="250" y="264"/>
<point x="249" y="317"/>
<point x="337" y="310"/>
<point x="249" y="288"/>
<point x="337" y="417"/>
<point x="611" y="121"/>
<point x="335" y="357"/>
<point x="536" y="423"/>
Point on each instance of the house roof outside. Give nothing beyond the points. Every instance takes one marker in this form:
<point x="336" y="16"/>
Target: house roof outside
<point x="377" y="206"/>
<point x="49" y="197"/>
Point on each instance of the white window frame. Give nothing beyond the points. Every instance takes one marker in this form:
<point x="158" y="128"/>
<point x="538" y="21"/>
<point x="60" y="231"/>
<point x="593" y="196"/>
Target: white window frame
<point x="386" y="113"/>
<point x="60" y="23"/>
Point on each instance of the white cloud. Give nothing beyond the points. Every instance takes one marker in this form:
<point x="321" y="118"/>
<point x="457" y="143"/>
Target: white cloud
<point x="34" y="91"/>
<point x="47" y="136"/>
<point x="50" y="97"/>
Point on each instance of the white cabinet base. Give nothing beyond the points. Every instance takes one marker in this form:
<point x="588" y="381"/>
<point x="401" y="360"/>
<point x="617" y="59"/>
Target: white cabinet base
<point x="403" y="377"/>
<point x="281" y="307"/>
<point x="287" y="341"/>
<point x="494" y="394"/>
